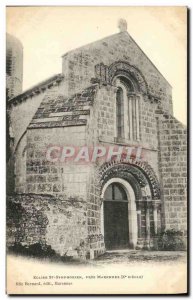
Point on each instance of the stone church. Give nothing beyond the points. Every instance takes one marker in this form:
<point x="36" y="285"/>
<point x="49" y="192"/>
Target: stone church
<point x="108" y="96"/>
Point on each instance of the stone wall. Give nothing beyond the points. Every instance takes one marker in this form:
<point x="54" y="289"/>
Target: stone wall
<point x="21" y="115"/>
<point x="94" y="204"/>
<point x="173" y="170"/>
<point x="35" y="174"/>
<point x="67" y="180"/>
<point x="19" y="171"/>
<point x="104" y="118"/>
<point x="94" y="215"/>
<point x="79" y="65"/>
<point x="58" y="178"/>
<point x="45" y="220"/>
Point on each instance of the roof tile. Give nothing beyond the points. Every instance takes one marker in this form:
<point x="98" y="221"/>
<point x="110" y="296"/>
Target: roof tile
<point x="59" y="111"/>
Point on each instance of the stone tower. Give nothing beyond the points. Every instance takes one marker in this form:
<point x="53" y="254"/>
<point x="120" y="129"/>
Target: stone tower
<point x="14" y="66"/>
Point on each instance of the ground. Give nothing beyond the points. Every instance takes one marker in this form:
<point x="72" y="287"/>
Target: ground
<point x="142" y="257"/>
<point x="126" y="257"/>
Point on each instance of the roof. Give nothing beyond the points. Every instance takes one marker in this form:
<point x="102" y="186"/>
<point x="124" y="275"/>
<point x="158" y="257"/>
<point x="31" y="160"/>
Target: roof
<point x="37" y="89"/>
<point x="59" y="111"/>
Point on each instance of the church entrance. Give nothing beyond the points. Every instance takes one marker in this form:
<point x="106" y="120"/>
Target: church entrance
<point x="130" y="211"/>
<point x="116" y="221"/>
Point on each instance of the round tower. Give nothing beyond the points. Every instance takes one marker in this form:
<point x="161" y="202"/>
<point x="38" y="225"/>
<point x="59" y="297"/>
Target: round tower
<point x="14" y="66"/>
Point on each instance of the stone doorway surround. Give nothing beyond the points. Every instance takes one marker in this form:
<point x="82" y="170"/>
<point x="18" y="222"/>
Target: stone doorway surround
<point x="132" y="212"/>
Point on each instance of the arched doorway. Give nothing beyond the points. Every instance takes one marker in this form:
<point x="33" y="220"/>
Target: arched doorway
<point x="116" y="226"/>
<point x="118" y="215"/>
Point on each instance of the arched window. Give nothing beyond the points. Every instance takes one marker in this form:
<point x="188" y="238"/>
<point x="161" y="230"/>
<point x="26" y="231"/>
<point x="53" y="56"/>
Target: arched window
<point x="115" y="192"/>
<point x="127" y="110"/>
<point x="120" y="113"/>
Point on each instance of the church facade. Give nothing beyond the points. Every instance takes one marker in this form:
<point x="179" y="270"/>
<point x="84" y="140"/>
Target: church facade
<point x="98" y="159"/>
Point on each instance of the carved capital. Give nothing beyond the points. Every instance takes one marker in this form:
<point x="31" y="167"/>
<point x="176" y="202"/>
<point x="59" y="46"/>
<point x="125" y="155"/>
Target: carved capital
<point x="139" y="204"/>
<point x="148" y="204"/>
<point x="101" y="72"/>
<point x="156" y="204"/>
<point x="101" y="200"/>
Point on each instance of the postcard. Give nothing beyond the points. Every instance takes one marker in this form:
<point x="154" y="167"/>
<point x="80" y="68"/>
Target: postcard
<point x="96" y="150"/>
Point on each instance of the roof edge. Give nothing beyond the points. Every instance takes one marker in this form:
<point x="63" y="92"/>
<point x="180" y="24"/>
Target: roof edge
<point x="149" y="59"/>
<point x="86" y="45"/>
<point x="37" y="89"/>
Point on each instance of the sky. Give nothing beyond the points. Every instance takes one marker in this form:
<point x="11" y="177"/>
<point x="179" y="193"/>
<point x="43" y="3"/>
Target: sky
<point x="48" y="32"/>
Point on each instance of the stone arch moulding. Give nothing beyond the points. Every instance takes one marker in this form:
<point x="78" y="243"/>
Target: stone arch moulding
<point x="124" y="68"/>
<point x="138" y="173"/>
<point x="105" y="74"/>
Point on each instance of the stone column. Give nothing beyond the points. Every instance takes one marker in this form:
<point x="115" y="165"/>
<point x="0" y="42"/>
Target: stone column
<point x="137" y="117"/>
<point x="155" y="216"/>
<point x="139" y="208"/>
<point x="115" y="114"/>
<point x="139" y="222"/>
<point x="148" y="204"/>
<point x="134" y="118"/>
<point x="156" y="211"/>
<point x="130" y="99"/>
<point x="102" y="216"/>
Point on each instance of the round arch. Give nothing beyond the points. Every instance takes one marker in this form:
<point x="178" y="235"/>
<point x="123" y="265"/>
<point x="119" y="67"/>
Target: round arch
<point x="142" y="188"/>
<point x="128" y="83"/>
<point x="142" y="175"/>
<point x="122" y="68"/>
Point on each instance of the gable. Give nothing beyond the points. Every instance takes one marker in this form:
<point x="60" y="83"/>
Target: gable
<point x="79" y="65"/>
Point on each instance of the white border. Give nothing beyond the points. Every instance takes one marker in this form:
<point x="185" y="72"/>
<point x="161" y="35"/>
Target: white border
<point x="4" y="3"/>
